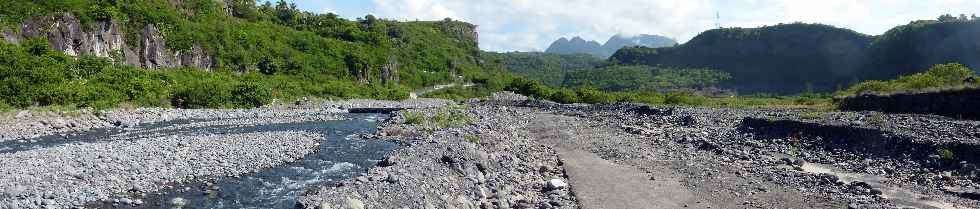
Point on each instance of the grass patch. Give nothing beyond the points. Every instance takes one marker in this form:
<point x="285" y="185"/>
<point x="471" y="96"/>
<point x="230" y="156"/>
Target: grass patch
<point x="451" y="118"/>
<point x="472" y="139"/>
<point x="444" y="117"/>
<point x="877" y="118"/>
<point x="813" y="115"/>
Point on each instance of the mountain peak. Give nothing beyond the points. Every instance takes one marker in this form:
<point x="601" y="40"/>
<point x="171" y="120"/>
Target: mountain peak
<point x="578" y="45"/>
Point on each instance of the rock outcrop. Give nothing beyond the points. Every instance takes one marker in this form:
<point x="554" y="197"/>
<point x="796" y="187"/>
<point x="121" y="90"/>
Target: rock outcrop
<point x="106" y="38"/>
<point x="389" y="72"/>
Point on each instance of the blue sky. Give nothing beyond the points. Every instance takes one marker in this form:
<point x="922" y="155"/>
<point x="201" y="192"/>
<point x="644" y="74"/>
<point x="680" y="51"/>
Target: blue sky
<point x="531" y="25"/>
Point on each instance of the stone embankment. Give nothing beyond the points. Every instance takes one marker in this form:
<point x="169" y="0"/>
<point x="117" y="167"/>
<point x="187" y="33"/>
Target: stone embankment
<point x="960" y="103"/>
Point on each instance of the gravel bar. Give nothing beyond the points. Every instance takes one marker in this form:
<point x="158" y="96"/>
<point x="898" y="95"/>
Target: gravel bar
<point x="74" y="174"/>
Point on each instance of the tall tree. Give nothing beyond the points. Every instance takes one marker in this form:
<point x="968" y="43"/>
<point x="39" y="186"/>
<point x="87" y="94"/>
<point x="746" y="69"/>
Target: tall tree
<point x="245" y="9"/>
<point x="946" y="18"/>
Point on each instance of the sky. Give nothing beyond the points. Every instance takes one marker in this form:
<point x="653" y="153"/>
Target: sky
<point x="531" y="25"/>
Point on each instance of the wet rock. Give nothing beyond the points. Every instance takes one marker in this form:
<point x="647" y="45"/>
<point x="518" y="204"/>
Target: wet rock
<point x="390" y="160"/>
<point x="178" y="202"/>
<point x="392" y="178"/>
<point x="555" y="184"/>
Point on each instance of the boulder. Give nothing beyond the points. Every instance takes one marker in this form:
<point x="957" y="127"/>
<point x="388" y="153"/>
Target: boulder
<point x="555" y="184"/>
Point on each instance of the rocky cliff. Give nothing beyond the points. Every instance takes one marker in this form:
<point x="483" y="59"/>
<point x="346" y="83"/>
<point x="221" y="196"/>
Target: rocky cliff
<point x="67" y="34"/>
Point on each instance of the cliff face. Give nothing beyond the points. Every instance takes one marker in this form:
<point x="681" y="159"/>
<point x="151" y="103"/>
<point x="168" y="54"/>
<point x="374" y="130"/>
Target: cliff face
<point x="66" y="33"/>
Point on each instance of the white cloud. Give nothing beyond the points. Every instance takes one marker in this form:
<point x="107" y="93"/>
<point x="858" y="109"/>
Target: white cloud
<point x="527" y="25"/>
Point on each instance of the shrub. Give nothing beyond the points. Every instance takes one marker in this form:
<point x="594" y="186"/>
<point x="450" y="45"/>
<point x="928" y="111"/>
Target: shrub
<point x="565" y="96"/>
<point x="946" y="154"/>
<point x="102" y="11"/>
<point x="593" y="96"/>
<point x="413" y="118"/>
<point x="472" y="139"/>
<point x="251" y="94"/>
<point x="450" y="118"/>
<point x="939" y="76"/>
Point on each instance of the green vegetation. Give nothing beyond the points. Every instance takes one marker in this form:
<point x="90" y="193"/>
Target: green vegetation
<point x="442" y="118"/>
<point x="33" y="75"/>
<point x="783" y="59"/>
<point x="942" y="76"/>
<point x="589" y="95"/>
<point x="413" y="118"/>
<point x="796" y="58"/>
<point x="261" y="52"/>
<point x="643" y="78"/>
<point x="921" y="44"/>
<point x="813" y="115"/>
<point x="877" y="118"/>
<point x="451" y="118"/>
<point x="549" y="69"/>
<point x="946" y="154"/>
<point x="472" y="139"/>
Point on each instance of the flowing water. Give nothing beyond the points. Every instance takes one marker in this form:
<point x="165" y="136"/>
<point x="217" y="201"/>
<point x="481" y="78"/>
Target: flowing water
<point x="339" y="157"/>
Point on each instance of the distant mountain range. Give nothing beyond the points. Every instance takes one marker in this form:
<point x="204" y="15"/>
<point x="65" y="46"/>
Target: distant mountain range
<point x="577" y="45"/>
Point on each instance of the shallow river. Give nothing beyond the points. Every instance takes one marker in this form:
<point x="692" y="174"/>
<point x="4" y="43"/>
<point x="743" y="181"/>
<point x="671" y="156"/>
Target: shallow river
<point x="339" y="157"/>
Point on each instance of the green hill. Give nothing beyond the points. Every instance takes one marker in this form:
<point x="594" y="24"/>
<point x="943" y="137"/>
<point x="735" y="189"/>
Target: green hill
<point x="911" y="48"/>
<point x="548" y="68"/>
<point x="274" y="49"/>
<point x="794" y="58"/>
<point x="786" y="58"/>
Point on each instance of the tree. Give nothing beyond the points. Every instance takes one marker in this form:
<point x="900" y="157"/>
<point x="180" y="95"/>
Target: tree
<point x="245" y="9"/>
<point x="287" y="13"/>
<point x="974" y="17"/>
<point x="268" y="66"/>
<point x="946" y="18"/>
<point x="963" y="17"/>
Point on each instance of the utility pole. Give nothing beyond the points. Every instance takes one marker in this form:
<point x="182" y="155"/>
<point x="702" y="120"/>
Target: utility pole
<point x="718" y="19"/>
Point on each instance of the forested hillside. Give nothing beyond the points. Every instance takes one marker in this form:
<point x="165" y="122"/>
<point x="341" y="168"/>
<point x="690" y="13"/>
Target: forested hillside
<point x="794" y="58"/>
<point x="911" y="48"/>
<point x="273" y="49"/>
<point x="786" y="58"/>
<point x="641" y="78"/>
<point x="547" y="68"/>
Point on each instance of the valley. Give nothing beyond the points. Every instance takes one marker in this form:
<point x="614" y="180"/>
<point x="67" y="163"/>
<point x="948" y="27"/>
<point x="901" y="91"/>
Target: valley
<point x="193" y="104"/>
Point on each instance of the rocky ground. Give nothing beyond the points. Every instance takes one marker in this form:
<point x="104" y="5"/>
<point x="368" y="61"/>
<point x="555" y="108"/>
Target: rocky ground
<point x="535" y="154"/>
<point x="511" y="152"/>
<point x="25" y="124"/>
<point x="74" y="174"/>
<point x="479" y="156"/>
<point x="122" y="155"/>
